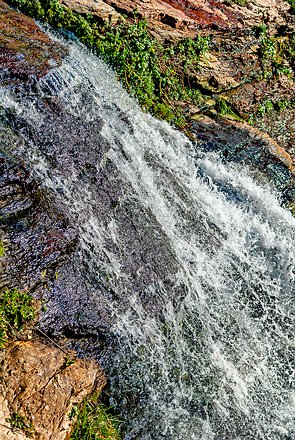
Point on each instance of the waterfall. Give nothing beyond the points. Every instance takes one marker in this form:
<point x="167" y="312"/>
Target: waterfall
<point x="189" y="260"/>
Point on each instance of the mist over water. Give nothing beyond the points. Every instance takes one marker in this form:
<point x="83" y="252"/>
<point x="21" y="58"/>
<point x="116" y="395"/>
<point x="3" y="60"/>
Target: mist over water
<point x="195" y="255"/>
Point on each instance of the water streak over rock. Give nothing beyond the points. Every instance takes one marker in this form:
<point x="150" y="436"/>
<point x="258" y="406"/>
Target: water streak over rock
<point x="182" y="282"/>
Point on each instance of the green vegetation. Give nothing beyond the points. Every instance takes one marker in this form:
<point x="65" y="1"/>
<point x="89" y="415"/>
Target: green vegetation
<point x="275" y="52"/>
<point x="268" y="107"/>
<point x="94" y="421"/>
<point x="292" y="208"/>
<point x="21" y="423"/>
<point x="265" y="108"/>
<point x="292" y="4"/>
<point x="225" y="109"/>
<point x="2" y="249"/>
<point x="69" y="360"/>
<point x="237" y="2"/>
<point x="16" y="309"/>
<point x="158" y="75"/>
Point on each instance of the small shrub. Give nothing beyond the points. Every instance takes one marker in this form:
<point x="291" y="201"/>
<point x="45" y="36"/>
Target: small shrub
<point x="16" y="309"/>
<point x="94" y="421"/>
<point x="276" y="52"/>
<point x="265" y="108"/>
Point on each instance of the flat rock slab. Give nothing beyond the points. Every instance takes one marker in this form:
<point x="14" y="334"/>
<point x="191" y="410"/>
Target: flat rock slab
<point x="25" y="50"/>
<point x="37" y="384"/>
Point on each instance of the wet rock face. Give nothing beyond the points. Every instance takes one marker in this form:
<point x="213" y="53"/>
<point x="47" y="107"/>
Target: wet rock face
<point x="75" y="147"/>
<point x="35" y="237"/>
<point x="25" y="51"/>
<point x="239" y="142"/>
<point x="38" y="385"/>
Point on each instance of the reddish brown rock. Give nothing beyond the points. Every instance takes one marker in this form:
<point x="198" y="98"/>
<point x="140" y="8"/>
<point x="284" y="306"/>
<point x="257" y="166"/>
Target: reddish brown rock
<point x="37" y="384"/>
<point x="180" y="18"/>
<point x="25" y="50"/>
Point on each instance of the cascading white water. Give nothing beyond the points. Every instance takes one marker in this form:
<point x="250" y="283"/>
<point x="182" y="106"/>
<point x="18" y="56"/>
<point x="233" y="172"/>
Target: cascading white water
<point x="204" y="347"/>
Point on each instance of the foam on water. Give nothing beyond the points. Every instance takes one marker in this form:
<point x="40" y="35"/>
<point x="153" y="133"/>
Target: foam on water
<point x="215" y="361"/>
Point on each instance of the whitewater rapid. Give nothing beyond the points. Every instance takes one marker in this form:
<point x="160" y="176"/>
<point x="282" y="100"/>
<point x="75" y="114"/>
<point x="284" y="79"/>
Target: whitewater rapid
<point x="196" y="257"/>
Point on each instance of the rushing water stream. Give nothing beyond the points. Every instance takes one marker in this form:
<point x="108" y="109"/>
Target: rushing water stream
<point x="196" y="259"/>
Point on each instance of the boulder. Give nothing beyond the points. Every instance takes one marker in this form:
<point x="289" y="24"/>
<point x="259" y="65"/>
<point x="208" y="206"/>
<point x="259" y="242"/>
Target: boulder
<point x="39" y="387"/>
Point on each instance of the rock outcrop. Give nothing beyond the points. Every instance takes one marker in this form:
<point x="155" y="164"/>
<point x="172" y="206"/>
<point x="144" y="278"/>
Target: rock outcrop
<point x="39" y="384"/>
<point x="179" y="18"/>
<point x="25" y="51"/>
<point x="39" y="388"/>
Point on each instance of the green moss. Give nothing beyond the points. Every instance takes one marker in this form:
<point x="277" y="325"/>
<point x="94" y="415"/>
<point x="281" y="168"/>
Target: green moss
<point x="156" y="74"/>
<point x="16" y="309"/>
<point x="94" y="421"/>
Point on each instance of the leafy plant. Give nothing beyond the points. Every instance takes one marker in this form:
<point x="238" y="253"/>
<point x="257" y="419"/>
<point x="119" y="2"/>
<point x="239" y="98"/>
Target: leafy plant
<point x="94" y="421"/>
<point x="21" y="423"/>
<point x="16" y="309"/>
<point x="69" y="360"/>
<point x="266" y="107"/>
<point x="156" y="74"/>
<point x="275" y="52"/>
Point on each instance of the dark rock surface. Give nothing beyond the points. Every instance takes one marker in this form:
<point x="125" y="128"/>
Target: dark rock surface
<point x="36" y="237"/>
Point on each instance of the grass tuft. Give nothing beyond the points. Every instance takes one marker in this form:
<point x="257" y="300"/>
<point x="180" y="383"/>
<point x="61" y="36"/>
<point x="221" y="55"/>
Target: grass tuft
<point x="16" y="309"/>
<point x="2" y="249"/>
<point x="94" y="421"/>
